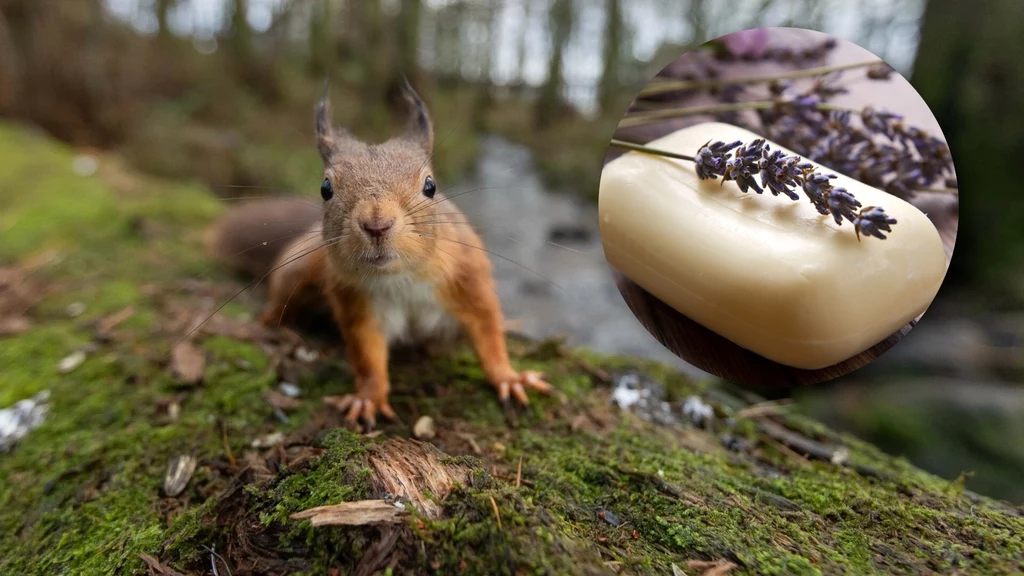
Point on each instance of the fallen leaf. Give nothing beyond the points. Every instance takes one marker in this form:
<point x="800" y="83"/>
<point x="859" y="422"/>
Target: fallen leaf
<point x="188" y="363"/>
<point x="179" y="473"/>
<point x="268" y="440"/>
<point x="358" y="513"/>
<point x="280" y="400"/>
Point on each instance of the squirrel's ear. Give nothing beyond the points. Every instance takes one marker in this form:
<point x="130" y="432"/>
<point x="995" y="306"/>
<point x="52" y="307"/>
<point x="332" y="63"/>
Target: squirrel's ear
<point x="324" y="132"/>
<point x="419" y="128"/>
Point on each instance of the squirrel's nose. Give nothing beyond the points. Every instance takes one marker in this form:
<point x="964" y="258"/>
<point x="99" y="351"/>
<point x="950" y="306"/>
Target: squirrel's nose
<point x="377" y="227"/>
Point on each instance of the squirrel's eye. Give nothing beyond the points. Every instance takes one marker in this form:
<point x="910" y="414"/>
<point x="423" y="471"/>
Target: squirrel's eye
<point x="429" y="188"/>
<point x="326" y="190"/>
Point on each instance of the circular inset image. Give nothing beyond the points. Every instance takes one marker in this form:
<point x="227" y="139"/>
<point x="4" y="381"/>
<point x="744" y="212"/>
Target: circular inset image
<point x="779" y="207"/>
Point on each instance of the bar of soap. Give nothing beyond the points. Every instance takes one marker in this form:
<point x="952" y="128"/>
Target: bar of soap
<point x="770" y="274"/>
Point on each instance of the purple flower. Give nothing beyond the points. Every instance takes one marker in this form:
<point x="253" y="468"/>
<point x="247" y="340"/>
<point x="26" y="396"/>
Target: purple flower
<point x="842" y="205"/>
<point x="785" y="174"/>
<point x="872" y="221"/>
<point x="743" y="166"/>
<point x="710" y="160"/>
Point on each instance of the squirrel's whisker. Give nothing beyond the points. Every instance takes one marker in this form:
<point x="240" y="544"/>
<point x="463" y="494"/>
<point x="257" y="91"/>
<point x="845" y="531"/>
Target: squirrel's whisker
<point x="495" y="226"/>
<point x="528" y="269"/>
<point x="255" y="282"/>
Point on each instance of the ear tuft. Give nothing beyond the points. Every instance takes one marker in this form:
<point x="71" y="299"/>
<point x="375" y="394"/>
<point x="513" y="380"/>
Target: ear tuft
<point x="324" y="132"/>
<point x="419" y="129"/>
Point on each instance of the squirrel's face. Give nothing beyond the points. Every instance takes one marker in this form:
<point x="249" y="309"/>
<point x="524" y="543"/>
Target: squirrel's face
<point x="379" y="207"/>
<point x="379" y="200"/>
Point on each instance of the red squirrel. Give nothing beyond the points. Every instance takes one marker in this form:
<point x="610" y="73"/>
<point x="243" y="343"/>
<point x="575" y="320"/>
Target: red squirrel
<point x="394" y="258"/>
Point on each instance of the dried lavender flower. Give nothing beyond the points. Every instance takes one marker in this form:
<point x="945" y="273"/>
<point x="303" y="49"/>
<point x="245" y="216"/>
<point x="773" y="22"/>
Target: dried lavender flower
<point x="781" y="173"/>
<point x="872" y="221"/>
<point x="711" y="159"/>
<point x="744" y="165"/>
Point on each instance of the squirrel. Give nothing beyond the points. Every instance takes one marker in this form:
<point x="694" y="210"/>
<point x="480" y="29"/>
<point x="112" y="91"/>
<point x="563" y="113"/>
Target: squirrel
<point x="396" y="261"/>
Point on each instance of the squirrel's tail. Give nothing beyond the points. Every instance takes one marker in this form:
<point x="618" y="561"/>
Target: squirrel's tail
<point x="250" y="237"/>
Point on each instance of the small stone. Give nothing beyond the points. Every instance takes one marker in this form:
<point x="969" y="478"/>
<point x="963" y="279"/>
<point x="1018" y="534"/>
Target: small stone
<point x="288" y="389"/>
<point x="697" y="411"/>
<point x="424" y="429"/>
<point x="179" y="472"/>
<point x="85" y="164"/>
<point x="303" y="354"/>
<point x="18" y="420"/>
<point x="75" y="309"/>
<point x="498" y="447"/>
<point x="70" y="362"/>
<point x="268" y="440"/>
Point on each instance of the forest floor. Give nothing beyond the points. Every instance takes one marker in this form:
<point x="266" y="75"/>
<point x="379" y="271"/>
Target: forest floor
<point x="160" y="454"/>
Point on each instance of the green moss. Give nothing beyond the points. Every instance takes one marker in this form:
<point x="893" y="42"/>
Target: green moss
<point x="82" y="493"/>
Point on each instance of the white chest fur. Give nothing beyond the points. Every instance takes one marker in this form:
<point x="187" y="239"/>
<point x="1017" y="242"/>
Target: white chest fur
<point x="408" y="310"/>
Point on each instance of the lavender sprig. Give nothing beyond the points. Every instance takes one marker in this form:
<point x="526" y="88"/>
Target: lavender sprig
<point x="784" y="174"/>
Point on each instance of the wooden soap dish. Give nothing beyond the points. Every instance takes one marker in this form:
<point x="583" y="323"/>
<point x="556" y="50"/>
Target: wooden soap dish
<point x="716" y="355"/>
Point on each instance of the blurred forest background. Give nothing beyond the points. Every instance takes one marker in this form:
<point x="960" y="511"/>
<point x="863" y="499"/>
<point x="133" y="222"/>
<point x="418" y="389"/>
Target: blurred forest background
<point x="221" y="91"/>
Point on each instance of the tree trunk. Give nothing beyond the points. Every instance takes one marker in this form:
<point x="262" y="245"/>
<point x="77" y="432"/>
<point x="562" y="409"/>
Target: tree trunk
<point x="163" y="9"/>
<point x="610" y="85"/>
<point x="550" y="98"/>
<point x="969" y="71"/>
<point x="408" y="40"/>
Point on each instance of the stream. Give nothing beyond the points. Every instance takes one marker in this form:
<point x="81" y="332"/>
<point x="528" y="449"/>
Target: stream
<point x="552" y="276"/>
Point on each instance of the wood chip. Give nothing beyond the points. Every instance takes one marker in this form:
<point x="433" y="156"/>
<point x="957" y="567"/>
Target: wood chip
<point x="711" y="568"/>
<point x="156" y="568"/>
<point x="104" y="326"/>
<point x="424" y="429"/>
<point x="359" y="513"/>
<point x="70" y="362"/>
<point x="188" y="363"/>
<point x="179" y="473"/>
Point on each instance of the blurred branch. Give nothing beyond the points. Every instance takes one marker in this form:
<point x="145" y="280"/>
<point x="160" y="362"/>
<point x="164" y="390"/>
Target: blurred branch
<point x="661" y="87"/>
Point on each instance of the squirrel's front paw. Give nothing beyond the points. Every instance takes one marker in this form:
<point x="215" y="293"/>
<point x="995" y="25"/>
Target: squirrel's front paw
<point x="517" y="383"/>
<point x="362" y="407"/>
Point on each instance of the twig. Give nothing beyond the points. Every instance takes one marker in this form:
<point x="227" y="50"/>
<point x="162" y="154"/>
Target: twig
<point x="654" y="115"/>
<point x="677" y="85"/>
<point x="763" y="408"/>
<point x="227" y="446"/>
<point x="803" y="444"/>
<point x="519" y="471"/>
<point x="213" y="560"/>
<point x="496" y="514"/>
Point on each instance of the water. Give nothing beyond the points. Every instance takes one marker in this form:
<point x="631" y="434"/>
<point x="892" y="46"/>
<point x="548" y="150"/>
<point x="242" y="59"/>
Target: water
<point x="548" y="289"/>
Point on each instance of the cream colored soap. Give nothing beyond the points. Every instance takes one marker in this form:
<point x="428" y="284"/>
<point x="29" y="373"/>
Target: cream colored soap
<point x="768" y="273"/>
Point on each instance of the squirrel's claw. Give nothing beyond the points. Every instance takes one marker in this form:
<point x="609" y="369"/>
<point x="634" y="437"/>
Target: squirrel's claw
<point x="517" y="387"/>
<point x="361" y="409"/>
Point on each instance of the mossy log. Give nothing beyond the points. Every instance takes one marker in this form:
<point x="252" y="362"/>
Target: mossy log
<point x="571" y="485"/>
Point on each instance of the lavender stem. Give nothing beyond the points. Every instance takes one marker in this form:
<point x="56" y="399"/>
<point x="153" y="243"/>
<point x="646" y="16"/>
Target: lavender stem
<point x="677" y="85"/>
